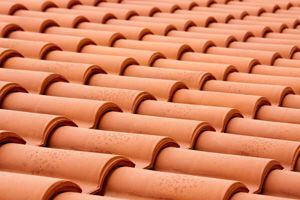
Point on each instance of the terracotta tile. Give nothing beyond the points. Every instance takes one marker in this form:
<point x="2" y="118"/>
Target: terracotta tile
<point x="129" y="32"/>
<point x="66" y="20"/>
<point x="240" y="35"/>
<point x="9" y="137"/>
<point x="296" y="56"/>
<point x="209" y="164"/>
<point x="90" y="111"/>
<point x="164" y="6"/>
<point x="274" y="26"/>
<point x="127" y="100"/>
<point x="120" y="13"/>
<point x="222" y="1"/>
<point x="198" y="45"/>
<point x="6" y="88"/>
<point x="285" y="51"/>
<point x="219" y="39"/>
<point x="19" y="186"/>
<point x="289" y="20"/>
<point x="203" y="3"/>
<point x="220" y="17"/>
<point x="279" y="41"/>
<point x="110" y="64"/>
<point x="185" y="132"/>
<point x="286" y="179"/>
<point x="218" y="117"/>
<point x="106" y="38"/>
<point x="34" y="82"/>
<point x="35" y="5"/>
<point x="141" y="149"/>
<point x="191" y="79"/>
<point x="154" y="27"/>
<point x="279" y="114"/>
<point x="31" y="49"/>
<point x="67" y="43"/>
<point x="291" y="23"/>
<point x="242" y="64"/>
<point x="293" y="82"/>
<point x="186" y="5"/>
<point x="7" y="28"/>
<point x="276" y="71"/>
<point x="291" y="11"/>
<point x="65" y="3"/>
<point x="238" y="14"/>
<point x="281" y="4"/>
<point x="65" y="164"/>
<point x="219" y="71"/>
<point x="199" y="20"/>
<point x="287" y="14"/>
<point x="283" y="36"/>
<point x="173" y="41"/>
<point x="264" y="57"/>
<point x="291" y="101"/>
<point x="170" y="50"/>
<point x="248" y="105"/>
<point x="250" y="9"/>
<point x="5" y="54"/>
<point x="248" y="196"/>
<point x="33" y="127"/>
<point x="152" y="184"/>
<point x="79" y="196"/>
<point x="90" y="2"/>
<point x="9" y="7"/>
<point x="92" y="16"/>
<point x="256" y="29"/>
<point x="267" y="129"/>
<point x="73" y="72"/>
<point x="29" y="23"/>
<point x="274" y="93"/>
<point x="287" y="63"/>
<point x="143" y="57"/>
<point x="114" y="1"/>
<point x="163" y="90"/>
<point x="143" y="10"/>
<point x="295" y="2"/>
<point x="179" y="24"/>
<point x="267" y="6"/>
<point x="285" y="152"/>
<point x="291" y="31"/>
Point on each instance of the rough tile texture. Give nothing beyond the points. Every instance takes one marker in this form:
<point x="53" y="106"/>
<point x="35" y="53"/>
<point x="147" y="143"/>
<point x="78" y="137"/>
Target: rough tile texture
<point x="149" y="99"/>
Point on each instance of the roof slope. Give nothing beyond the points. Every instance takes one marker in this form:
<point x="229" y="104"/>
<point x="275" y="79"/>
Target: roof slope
<point x="149" y="99"/>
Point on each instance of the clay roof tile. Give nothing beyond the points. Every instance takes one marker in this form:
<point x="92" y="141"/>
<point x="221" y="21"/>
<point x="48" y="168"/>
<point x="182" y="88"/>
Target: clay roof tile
<point x="29" y="23"/>
<point x="183" y="186"/>
<point x="90" y="110"/>
<point x="178" y="161"/>
<point x="38" y="5"/>
<point x="218" y="117"/>
<point x="97" y="166"/>
<point x="19" y="186"/>
<point x="66" y="20"/>
<point x="73" y="72"/>
<point x="27" y="48"/>
<point x="129" y="32"/>
<point x="141" y="149"/>
<point x="32" y="81"/>
<point x="285" y="152"/>
<point x="36" y="129"/>
<point x="127" y="100"/>
<point x="9" y="137"/>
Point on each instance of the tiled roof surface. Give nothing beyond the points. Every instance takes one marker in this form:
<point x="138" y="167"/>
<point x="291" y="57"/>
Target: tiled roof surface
<point x="149" y="99"/>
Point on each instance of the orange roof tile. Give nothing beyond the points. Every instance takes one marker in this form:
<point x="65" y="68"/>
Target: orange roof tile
<point x="149" y="99"/>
